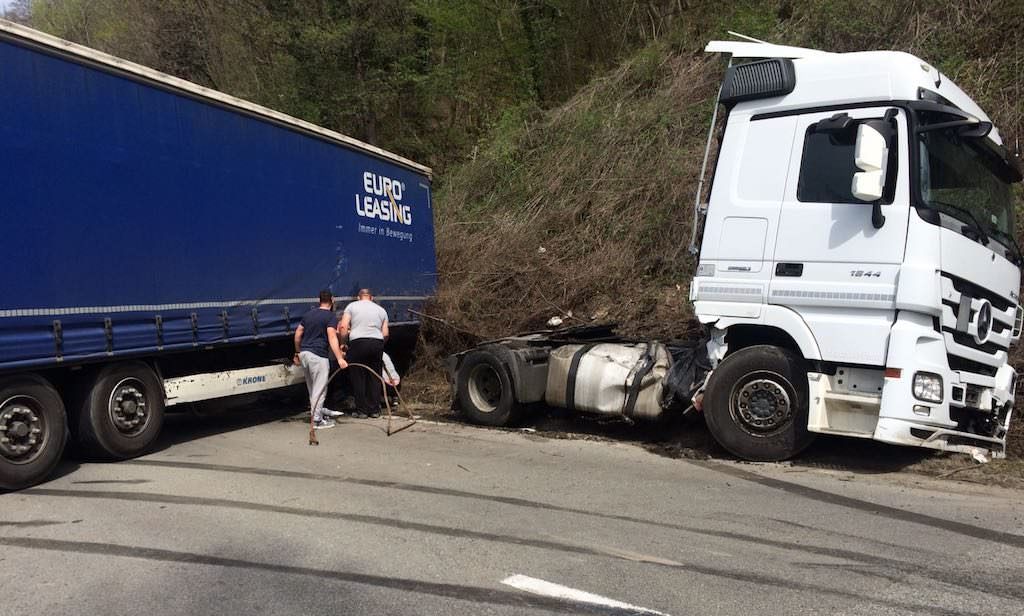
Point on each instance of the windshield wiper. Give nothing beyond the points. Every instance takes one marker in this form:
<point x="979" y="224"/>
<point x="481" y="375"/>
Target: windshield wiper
<point x="1009" y="241"/>
<point x="974" y="227"/>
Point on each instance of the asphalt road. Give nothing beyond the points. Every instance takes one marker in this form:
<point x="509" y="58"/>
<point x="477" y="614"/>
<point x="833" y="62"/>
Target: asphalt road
<point x="236" y="514"/>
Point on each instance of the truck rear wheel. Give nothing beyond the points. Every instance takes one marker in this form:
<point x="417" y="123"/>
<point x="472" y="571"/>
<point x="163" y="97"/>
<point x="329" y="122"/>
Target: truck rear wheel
<point x="756" y="404"/>
<point x="33" y="431"/>
<point x="484" y="390"/>
<point x="121" y="412"/>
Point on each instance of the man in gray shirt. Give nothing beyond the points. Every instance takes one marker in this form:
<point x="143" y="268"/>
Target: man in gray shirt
<point x="366" y="325"/>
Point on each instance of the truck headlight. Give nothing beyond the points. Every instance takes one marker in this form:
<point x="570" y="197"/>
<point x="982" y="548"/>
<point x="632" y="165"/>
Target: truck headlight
<point x="928" y="387"/>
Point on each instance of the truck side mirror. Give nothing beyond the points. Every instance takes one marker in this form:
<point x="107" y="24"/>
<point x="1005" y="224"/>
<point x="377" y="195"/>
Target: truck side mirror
<point x="871" y="155"/>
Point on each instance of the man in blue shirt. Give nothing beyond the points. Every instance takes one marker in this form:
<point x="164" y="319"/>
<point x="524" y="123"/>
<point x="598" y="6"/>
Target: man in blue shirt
<point x="317" y="333"/>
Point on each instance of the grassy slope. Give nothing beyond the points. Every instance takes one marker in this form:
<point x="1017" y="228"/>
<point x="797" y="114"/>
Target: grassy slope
<point x="583" y="209"/>
<point x="587" y="208"/>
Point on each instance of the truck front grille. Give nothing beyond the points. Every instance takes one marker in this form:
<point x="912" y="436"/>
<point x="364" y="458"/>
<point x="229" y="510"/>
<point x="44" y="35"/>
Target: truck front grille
<point x="961" y="301"/>
<point x="965" y="365"/>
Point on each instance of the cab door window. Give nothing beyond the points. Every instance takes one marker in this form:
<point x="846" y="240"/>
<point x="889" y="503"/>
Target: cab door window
<point x="827" y="167"/>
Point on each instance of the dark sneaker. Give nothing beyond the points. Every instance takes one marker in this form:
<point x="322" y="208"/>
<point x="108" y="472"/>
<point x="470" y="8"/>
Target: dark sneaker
<point x="323" y="424"/>
<point x="359" y="415"/>
<point x="374" y="415"/>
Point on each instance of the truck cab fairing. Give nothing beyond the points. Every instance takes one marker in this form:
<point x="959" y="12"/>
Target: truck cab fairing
<point x="923" y="293"/>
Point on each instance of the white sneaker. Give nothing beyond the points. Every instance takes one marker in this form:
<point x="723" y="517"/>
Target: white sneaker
<point x="323" y="424"/>
<point x="326" y="412"/>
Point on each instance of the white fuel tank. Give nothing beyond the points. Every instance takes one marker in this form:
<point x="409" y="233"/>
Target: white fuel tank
<point x="610" y="379"/>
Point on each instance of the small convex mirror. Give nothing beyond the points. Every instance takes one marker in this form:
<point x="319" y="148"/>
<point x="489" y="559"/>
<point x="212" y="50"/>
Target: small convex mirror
<point x="871" y="155"/>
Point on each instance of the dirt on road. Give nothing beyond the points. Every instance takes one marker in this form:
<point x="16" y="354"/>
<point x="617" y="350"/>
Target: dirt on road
<point x="429" y="397"/>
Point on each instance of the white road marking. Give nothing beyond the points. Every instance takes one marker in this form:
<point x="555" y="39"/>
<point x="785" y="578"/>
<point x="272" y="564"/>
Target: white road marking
<point x="550" y="589"/>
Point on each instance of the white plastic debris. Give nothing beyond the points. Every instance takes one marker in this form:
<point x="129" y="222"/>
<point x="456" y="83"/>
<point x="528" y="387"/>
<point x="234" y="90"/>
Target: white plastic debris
<point x="979" y="456"/>
<point x="541" y="250"/>
<point x="555" y="321"/>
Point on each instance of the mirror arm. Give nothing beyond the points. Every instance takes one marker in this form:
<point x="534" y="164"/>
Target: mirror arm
<point x="877" y="217"/>
<point x="967" y="127"/>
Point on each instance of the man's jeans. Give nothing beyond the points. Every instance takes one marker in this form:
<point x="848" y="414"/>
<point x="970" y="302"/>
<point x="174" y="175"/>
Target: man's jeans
<point x="317" y="372"/>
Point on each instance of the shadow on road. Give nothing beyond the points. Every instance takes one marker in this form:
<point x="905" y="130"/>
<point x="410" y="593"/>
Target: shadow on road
<point x="688" y="437"/>
<point x="860" y="455"/>
<point x="214" y="417"/>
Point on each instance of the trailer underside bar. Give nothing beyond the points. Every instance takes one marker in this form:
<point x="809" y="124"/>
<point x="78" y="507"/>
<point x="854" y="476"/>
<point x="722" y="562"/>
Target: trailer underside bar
<point x="197" y="387"/>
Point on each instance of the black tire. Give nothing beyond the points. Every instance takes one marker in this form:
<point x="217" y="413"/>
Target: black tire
<point x="756" y="404"/>
<point x="120" y="412"/>
<point x="484" y="391"/>
<point x="34" y="426"/>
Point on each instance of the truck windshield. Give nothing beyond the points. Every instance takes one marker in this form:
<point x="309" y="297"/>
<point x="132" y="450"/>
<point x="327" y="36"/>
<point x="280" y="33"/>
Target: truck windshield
<point x="960" y="174"/>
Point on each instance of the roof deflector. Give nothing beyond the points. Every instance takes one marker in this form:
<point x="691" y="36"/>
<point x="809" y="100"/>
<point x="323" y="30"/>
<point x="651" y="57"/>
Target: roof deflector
<point x="743" y="49"/>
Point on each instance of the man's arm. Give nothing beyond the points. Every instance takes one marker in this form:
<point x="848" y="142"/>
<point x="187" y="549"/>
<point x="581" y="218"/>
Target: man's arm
<point x="346" y="323"/>
<point x="298" y="344"/>
<point x="384" y="329"/>
<point x="390" y="374"/>
<point x="332" y="339"/>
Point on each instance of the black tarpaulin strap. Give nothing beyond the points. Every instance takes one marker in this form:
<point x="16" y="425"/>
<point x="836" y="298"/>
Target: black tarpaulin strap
<point x="570" y="382"/>
<point x="640" y="371"/>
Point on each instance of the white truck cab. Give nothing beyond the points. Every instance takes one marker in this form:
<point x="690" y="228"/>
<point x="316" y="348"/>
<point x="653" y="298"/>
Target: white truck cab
<point x="857" y="264"/>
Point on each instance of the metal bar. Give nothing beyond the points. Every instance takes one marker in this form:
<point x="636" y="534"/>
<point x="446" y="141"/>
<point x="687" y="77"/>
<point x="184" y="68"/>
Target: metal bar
<point x="694" y="248"/>
<point x="58" y="339"/>
<point x="108" y="330"/>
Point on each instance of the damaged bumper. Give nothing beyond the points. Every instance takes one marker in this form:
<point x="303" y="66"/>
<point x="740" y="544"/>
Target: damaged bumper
<point x="899" y="432"/>
<point x="971" y="412"/>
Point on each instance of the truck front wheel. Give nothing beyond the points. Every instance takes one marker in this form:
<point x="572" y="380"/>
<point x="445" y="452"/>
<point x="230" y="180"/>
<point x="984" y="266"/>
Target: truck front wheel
<point x="756" y="404"/>
<point x="484" y="390"/>
<point x="33" y="431"/>
<point x="120" y="413"/>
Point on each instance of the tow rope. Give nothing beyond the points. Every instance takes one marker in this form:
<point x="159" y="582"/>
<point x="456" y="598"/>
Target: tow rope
<point x="313" y="440"/>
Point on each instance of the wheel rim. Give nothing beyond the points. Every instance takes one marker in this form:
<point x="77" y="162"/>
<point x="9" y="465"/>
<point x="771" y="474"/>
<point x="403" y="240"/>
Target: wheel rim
<point x="23" y="429"/>
<point x="485" y="388"/>
<point x="761" y="403"/>
<point x="128" y="407"/>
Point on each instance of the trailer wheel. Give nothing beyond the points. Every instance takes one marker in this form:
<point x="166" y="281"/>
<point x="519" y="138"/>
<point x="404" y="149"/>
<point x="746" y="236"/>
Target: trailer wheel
<point x="756" y="404"/>
<point x="33" y="431"/>
<point x="484" y="390"/>
<point x="121" y="412"/>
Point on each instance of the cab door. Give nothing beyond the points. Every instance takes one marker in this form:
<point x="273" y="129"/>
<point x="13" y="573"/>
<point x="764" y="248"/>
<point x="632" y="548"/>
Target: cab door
<point x="831" y="265"/>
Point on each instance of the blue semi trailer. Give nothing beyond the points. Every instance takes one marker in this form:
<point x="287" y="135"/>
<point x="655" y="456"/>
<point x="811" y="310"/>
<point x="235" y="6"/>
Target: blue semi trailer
<point x="162" y="240"/>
